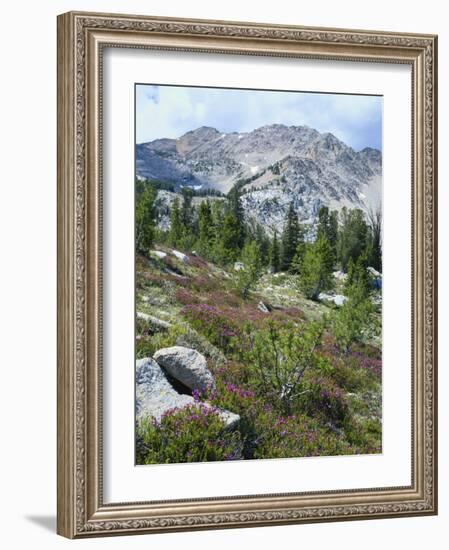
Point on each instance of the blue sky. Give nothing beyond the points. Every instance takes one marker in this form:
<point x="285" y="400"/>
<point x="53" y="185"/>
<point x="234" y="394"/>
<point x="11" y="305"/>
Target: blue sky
<point x="170" y="111"/>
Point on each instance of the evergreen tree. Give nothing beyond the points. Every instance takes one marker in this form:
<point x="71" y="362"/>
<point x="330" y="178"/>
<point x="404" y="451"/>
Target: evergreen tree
<point x="290" y="238"/>
<point x="252" y="268"/>
<point x="187" y="209"/>
<point x="145" y="226"/>
<point x="316" y="269"/>
<point x="358" y="281"/>
<point x="328" y="227"/>
<point x="296" y="265"/>
<point x="236" y="208"/>
<point x="228" y="248"/>
<point x="257" y="233"/>
<point x="352" y="237"/>
<point x="176" y="226"/>
<point x="205" y="228"/>
<point x="275" y="259"/>
<point x="375" y="248"/>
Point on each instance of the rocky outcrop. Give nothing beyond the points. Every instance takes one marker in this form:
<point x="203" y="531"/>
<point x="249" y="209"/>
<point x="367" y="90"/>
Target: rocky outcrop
<point x="186" y="365"/>
<point x="181" y="256"/>
<point x="273" y="165"/>
<point x="155" y="395"/>
<point x="261" y="306"/>
<point x="158" y="254"/>
<point x="337" y="299"/>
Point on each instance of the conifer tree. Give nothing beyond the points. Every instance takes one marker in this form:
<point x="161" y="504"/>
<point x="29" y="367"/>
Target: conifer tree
<point x="352" y="237"/>
<point x="296" y="265"/>
<point x="316" y="269"/>
<point x="187" y="209"/>
<point x="328" y="227"/>
<point x="358" y="281"/>
<point x="145" y="226"/>
<point x="205" y="228"/>
<point x="228" y="247"/>
<point x="375" y="247"/>
<point x="275" y="259"/>
<point x="236" y="208"/>
<point x="176" y="226"/>
<point x="252" y="268"/>
<point x="290" y="238"/>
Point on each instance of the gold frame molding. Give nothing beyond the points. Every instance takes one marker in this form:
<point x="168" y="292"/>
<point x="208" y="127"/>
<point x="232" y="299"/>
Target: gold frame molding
<point x="81" y="38"/>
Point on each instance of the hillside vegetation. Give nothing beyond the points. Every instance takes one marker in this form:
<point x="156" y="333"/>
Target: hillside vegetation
<point x="302" y="373"/>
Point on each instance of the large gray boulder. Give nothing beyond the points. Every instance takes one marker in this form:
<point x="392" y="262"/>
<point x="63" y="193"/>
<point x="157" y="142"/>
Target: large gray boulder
<point x="154" y="393"/>
<point x="187" y="366"/>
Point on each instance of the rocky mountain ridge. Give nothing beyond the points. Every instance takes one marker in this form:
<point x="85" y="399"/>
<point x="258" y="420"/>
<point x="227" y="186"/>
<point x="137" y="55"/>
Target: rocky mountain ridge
<point x="272" y="166"/>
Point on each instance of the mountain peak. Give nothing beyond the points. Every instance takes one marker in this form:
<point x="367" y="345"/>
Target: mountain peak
<point x="202" y="131"/>
<point x="272" y="165"/>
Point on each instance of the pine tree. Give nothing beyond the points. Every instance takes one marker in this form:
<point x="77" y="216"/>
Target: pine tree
<point x="358" y="281"/>
<point x="145" y="226"/>
<point x="257" y="233"/>
<point x="296" y="265"/>
<point x="275" y="259"/>
<point x="205" y="228"/>
<point x="236" y="208"/>
<point x="228" y="245"/>
<point x="316" y="269"/>
<point x="187" y="209"/>
<point x="328" y="227"/>
<point x="176" y="226"/>
<point x="290" y="238"/>
<point x="352" y="237"/>
<point x="252" y="268"/>
<point x="375" y="247"/>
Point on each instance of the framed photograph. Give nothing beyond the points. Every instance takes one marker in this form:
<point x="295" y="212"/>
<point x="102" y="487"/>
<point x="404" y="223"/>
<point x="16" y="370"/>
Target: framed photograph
<point x="246" y="274"/>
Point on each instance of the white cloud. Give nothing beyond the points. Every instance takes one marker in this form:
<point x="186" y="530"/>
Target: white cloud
<point x="170" y="111"/>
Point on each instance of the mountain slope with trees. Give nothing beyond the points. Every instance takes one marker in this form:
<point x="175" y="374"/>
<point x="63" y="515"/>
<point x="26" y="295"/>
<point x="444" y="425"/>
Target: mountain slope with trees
<point x="271" y="168"/>
<point x="303" y="374"/>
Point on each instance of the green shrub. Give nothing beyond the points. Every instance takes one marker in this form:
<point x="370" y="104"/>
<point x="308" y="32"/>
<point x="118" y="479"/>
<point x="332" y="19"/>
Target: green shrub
<point x="191" y="434"/>
<point x="322" y="398"/>
<point x="247" y="277"/>
<point x="148" y="344"/>
<point x="278" y="358"/>
<point x="364" y="434"/>
<point x="352" y="323"/>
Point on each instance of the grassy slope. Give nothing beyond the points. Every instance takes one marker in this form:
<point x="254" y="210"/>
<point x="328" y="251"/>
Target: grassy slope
<point x="167" y="288"/>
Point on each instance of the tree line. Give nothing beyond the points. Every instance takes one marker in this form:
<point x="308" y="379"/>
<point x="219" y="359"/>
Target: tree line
<point x="347" y="240"/>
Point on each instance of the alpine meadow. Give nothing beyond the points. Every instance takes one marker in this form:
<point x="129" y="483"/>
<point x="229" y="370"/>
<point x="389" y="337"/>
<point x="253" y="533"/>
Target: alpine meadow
<point x="258" y="272"/>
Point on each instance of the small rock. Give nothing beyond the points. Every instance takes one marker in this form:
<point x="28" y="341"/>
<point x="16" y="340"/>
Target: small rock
<point x="374" y="272"/>
<point x="158" y="254"/>
<point x="238" y="266"/>
<point x="340" y="275"/>
<point x="339" y="299"/>
<point x="262" y="307"/>
<point x="187" y="366"/>
<point x="230" y="419"/>
<point x="181" y="256"/>
<point x="153" y="320"/>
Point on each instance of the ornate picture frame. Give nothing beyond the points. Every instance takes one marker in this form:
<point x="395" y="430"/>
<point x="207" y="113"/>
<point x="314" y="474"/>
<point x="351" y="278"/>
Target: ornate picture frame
<point x="82" y="38"/>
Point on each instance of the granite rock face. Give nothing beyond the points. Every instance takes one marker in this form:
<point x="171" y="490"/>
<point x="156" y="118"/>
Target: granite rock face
<point x="186" y="365"/>
<point x="273" y="165"/>
<point x="154" y="393"/>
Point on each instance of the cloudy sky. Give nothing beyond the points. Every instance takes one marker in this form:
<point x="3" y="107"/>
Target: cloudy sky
<point x="170" y="111"/>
